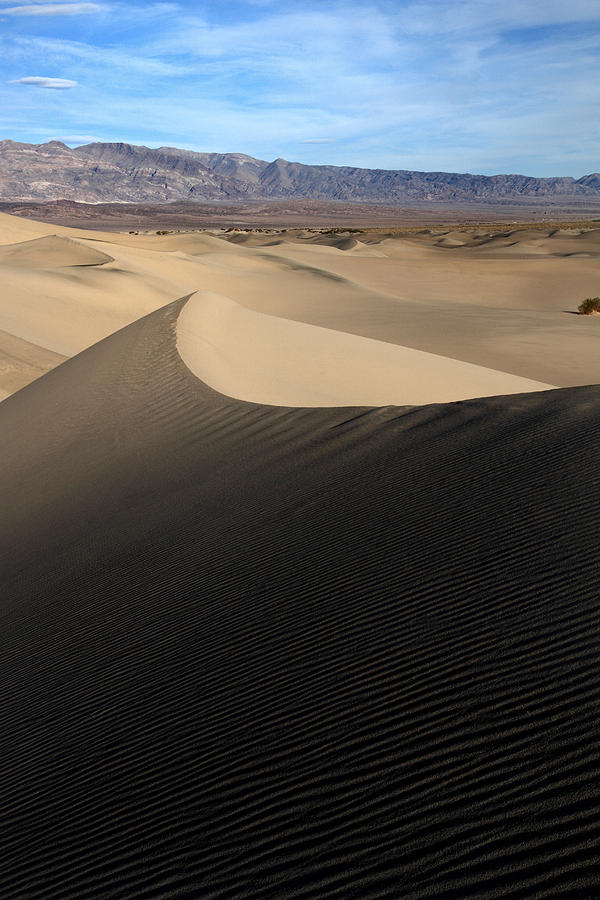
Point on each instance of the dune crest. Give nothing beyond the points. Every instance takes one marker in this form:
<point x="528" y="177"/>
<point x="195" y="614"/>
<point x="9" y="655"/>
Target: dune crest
<point x="279" y="362"/>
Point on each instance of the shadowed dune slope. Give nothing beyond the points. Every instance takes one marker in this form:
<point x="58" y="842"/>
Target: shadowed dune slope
<point x="260" y="652"/>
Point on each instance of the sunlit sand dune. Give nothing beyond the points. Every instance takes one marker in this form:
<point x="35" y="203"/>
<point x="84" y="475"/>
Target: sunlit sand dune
<point x="270" y="360"/>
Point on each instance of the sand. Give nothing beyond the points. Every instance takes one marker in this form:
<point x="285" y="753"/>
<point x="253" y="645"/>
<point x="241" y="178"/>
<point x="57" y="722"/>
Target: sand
<point x="490" y="301"/>
<point x="251" y="651"/>
<point x="270" y="360"/>
<point x="299" y="583"/>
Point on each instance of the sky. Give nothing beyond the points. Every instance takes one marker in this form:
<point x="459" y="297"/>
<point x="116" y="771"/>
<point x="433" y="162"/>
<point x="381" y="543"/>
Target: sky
<point x="477" y="86"/>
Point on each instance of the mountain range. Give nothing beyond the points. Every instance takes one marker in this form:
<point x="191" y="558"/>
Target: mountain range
<point x="119" y="172"/>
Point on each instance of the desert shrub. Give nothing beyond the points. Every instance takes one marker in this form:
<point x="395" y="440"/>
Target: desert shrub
<point x="342" y="230"/>
<point x="590" y="305"/>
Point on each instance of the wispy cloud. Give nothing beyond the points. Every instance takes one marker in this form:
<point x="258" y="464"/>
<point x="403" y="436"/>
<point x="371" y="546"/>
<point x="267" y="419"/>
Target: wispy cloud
<point x="50" y="9"/>
<point x="113" y="62"/>
<point x="318" y="141"/>
<point x="40" y="81"/>
<point x="468" y="16"/>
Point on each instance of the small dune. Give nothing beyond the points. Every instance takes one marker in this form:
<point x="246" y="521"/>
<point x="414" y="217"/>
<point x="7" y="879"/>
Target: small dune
<point x="348" y="243"/>
<point x="450" y="242"/>
<point x="454" y="239"/>
<point x="239" y="238"/>
<point x="591" y="237"/>
<point x="51" y="252"/>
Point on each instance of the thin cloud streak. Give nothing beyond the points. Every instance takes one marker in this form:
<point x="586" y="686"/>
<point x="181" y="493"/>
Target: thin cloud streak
<point x="108" y="59"/>
<point x="51" y="9"/>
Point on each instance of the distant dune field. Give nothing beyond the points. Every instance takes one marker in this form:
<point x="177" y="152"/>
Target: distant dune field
<point x="299" y="581"/>
<point x="497" y="300"/>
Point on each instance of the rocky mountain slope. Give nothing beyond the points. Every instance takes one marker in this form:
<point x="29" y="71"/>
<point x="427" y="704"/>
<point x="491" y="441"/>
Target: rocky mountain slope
<point x="117" y="172"/>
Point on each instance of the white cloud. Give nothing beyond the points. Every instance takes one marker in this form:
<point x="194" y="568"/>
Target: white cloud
<point x="51" y="9"/>
<point x="54" y="84"/>
<point x="318" y="141"/>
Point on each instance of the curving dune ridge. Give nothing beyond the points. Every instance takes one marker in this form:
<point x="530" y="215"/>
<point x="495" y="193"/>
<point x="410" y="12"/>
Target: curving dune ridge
<point x="252" y="651"/>
<point x="267" y="359"/>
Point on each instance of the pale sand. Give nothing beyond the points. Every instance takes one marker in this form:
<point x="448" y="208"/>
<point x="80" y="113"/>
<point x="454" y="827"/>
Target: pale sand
<point x="265" y="359"/>
<point x="496" y="301"/>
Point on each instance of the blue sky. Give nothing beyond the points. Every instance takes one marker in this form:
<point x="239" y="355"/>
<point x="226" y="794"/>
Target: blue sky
<point x="466" y="86"/>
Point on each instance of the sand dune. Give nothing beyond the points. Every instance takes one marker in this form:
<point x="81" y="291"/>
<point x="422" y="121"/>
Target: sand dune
<point x="453" y="239"/>
<point x="257" y="652"/>
<point x="265" y="359"/>
<point x="518" y="243"/>
<point x="50" y="252"/>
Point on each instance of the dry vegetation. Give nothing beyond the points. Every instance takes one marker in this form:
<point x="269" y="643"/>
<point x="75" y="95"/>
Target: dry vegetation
<point x="589" y="306"/>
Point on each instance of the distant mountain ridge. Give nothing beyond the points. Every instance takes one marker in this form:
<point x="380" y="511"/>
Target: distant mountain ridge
<point x="119" y="172"/>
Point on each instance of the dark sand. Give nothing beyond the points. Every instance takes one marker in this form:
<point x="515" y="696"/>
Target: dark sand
<point x="262" y="652"/>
